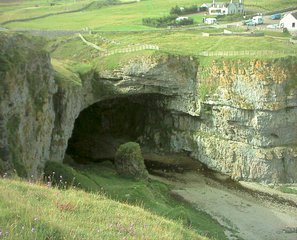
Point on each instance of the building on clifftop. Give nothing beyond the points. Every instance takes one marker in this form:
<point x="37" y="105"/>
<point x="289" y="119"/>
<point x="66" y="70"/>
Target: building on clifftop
<point x="289" y="21"/>
<point x="224" y="8"/>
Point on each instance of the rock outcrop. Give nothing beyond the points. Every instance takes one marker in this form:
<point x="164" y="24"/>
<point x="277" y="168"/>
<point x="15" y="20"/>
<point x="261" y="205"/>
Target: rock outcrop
<point x="27" y="115"/>
<point x="238" y="117"/>
<point x="248" y="125"/>
<point x="129" y="161"/>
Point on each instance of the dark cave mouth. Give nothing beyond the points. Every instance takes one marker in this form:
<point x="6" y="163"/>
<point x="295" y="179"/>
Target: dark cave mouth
<point x="103" y="126"/>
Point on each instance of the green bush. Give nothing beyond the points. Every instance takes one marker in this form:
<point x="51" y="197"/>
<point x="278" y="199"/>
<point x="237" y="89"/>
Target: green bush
<point x="166" y="21"/>
<point x="129" y="161"/>
<point x="186" y="21"/>
<point x="160" y="22"/>
<point x="184" y="10"/>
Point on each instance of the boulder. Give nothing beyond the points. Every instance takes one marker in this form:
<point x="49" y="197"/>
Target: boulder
<point x="129" y="161"/>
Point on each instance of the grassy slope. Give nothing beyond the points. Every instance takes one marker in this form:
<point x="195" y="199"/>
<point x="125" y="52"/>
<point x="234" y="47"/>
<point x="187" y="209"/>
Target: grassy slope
<point x="25" y="9"/>
<point x="153" y="196"/>
<point x="191" y="43"/>
<point x="30" y="211"/>
<point x="126" y="17"/>
<point x="271" y="5"/>
<point x="183" y="43"/>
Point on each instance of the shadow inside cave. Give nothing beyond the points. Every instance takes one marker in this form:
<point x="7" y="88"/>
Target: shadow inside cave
<point x="103" y="126"/>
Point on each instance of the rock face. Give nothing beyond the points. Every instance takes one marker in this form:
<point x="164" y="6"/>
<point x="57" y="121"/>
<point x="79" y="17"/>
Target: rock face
<point x="238" y="117"/>
<point x="248" y="125"/>
<point x="27" y="115"/>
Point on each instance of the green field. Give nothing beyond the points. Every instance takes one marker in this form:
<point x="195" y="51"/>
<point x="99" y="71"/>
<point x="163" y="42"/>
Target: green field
<point x="181" y="43"/>
<point x="112" y="17"/>
<point x="26" y="9"/>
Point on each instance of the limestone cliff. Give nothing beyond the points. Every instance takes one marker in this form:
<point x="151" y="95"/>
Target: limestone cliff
<point x="237" y="117"/>
<point x="26" y="104"/>
<point x="248" y="119"/>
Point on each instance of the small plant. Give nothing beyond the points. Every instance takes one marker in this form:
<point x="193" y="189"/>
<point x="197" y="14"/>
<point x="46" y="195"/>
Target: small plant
<point x="129" y="161"/>
<point x="288" y="189"/>
<point x="64" y="177"/>
<point x="205" y="90"/>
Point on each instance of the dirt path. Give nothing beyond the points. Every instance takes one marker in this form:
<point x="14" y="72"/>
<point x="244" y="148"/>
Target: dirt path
<point x="244" y="216"/>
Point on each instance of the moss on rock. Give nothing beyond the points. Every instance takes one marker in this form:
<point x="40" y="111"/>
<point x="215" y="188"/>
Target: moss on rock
<point x="129" y="161"/>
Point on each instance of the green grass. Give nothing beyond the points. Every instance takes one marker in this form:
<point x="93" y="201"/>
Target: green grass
<point x="272" y="5"/>
<point x="192" y="42"/>
<point x="64" y="76"/>
<point x="26" y="9"/>
<point x="285" y="189"/>
<point x="31" y="211"/>
<point x="118" y="17"/>
<point x="25" y="49"/>
<point x="153" y="196"/>
<point x="179" y="43"/>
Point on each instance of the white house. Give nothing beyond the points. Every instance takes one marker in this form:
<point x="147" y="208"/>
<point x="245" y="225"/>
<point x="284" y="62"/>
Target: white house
<point x="223" y="8"/>
<point x="289" y="21"/>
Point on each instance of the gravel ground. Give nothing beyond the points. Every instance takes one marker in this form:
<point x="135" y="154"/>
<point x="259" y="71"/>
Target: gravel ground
<point x="252" y="214"/>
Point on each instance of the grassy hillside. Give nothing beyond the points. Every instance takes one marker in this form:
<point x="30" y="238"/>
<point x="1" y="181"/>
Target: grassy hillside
<point x="114" y="17"/>
<point x="182" y="43"/>
<point x="30" y="211"/>
<point x="23" y="9"/>
<point x="152" y="196"/>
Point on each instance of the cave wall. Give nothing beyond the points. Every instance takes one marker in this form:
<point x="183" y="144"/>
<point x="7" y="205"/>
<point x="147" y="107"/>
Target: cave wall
<point x="237" y="117"/>
<point x="246" y="123"/>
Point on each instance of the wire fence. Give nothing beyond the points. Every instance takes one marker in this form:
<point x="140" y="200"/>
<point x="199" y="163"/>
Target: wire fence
<point x="104" y="52"/>
<point x="130" y="49"/>
<point x="267" y="53"/>
<point x="248" y="53"/>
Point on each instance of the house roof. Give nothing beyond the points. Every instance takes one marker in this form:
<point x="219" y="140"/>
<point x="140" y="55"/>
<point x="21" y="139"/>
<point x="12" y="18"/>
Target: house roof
<point x="294" y="14"/>
<point x="220" y="4"/>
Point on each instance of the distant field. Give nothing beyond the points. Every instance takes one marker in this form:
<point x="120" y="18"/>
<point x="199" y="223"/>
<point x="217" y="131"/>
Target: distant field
<point x="114" y="17"/>
<point x="271" y="4"/>
<point x="181" y="43"/>
<point x="25" y="9"/>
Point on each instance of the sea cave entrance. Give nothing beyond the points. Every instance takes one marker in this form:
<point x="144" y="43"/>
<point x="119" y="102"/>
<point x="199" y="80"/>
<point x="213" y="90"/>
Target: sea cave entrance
<point x="103" y="126"/>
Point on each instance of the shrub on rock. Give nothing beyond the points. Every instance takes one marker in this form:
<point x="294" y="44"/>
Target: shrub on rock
<point x="129" y="161"/>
